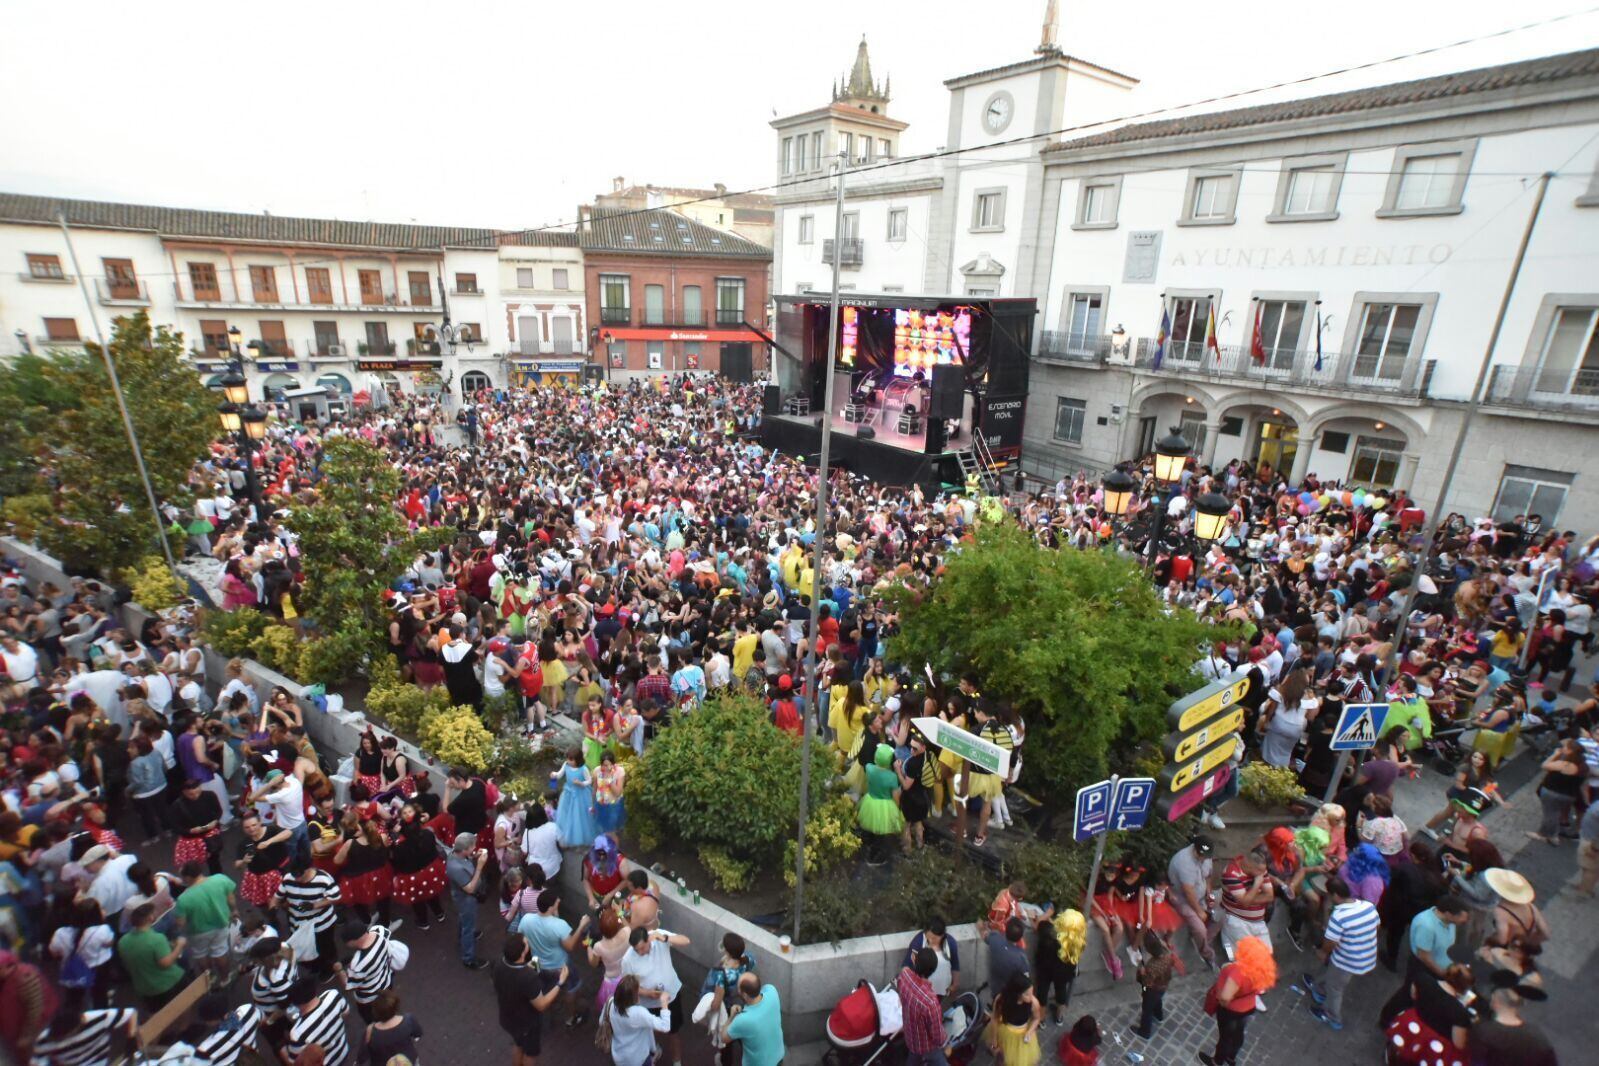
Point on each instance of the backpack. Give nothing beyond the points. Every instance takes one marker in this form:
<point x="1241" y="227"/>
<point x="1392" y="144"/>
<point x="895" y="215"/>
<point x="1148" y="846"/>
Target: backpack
<point x="75" y="973"/>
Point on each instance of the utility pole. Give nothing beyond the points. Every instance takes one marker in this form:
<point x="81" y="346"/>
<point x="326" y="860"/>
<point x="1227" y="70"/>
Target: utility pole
<point x="122" y="403"/>
<point x="1429" y="530"/>
<point x="812" y="689"/>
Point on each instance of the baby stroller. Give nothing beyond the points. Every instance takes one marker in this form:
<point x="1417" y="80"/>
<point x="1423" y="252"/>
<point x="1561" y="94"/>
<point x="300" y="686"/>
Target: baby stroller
<point x="964" y="1022"/>
<point x="864" y="1028"/>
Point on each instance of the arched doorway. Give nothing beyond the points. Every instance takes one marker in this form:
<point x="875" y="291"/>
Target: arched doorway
<point x="1364" y="446"/>
<point x="1262" y="435"/>
<point x="1167" y="407"/>
<point x="274" y="384"/>
<point x="473" y="381"/>
<point x="337" y="382"/>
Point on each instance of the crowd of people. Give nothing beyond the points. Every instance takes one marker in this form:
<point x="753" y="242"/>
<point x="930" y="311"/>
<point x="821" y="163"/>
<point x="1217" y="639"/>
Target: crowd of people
<point x="622" y="553"/>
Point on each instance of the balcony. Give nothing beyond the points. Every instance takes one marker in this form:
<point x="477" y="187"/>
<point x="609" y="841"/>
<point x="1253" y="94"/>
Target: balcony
<point x="364" y="348"/>
<point x="57" y="342"/>
<point x="47" y="279"/>
<point x="616" y="316"/>
<point x="1283" y="368"/>
<point x="466" y="292"/>
<point x="371" y="302"/>
<point x="416" y="347"/>
<point x="115" y="292"/>
<point x="851" y="252"/>
<point x="729" y="316"/>
<point x="1544" y="389"/>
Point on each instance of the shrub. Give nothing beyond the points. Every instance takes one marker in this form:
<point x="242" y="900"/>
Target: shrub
<point x="277" y="648"/>
<point x="1268" y="787"/>
<point x="731" y="875"/>
<point x="335" y="657"/>
<point x="830" y="839"/>
<point x="231" y="632"/>
<point x="642" y="824"/>
<point x="153" y="584"/>
<point x="501" y="711"/>
<point x="403" y="706"/>
<point x="456" y="737"/>
<point x="1152" y="846"/>
<point x="1055" y="873"/>
<point x="929" y="883"/>
<point x="836" y="909"/>
<point x="724" y="776"/>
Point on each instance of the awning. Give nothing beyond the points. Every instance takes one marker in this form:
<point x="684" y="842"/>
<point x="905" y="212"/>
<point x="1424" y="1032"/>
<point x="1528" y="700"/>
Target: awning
<point x="668" y="333"/>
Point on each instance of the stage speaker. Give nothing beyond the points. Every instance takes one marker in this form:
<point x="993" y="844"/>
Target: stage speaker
<point x="865" y="432"/>
<point x="947" y="399"/>
<point x="772" y="400"/>
<point x="737" y="362"/>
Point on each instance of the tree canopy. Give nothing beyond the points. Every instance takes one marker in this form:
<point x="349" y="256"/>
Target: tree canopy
<point x="1077" y="641"/>
<point x="83" y="501"/>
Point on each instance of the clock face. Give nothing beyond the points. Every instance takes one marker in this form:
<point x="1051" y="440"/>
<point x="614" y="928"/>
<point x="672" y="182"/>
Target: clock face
<point x="997" y="112"/>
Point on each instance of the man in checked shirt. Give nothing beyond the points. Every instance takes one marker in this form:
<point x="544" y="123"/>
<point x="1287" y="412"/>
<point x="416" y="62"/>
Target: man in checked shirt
<point x="923" y="1013"/>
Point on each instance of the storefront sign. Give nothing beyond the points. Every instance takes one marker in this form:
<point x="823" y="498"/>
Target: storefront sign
<point x="397" y="364"/>
<point x="974" y="749"/>
<point x="213" y="368"/>
<point x="276" y="368"/>
<point x="550" y="366"/>
<point x="1197" y="708"/>
<point x="667" y="333"/>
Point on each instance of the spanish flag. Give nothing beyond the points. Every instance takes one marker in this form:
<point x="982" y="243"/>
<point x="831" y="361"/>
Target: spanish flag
<point x="1210" y="332"/>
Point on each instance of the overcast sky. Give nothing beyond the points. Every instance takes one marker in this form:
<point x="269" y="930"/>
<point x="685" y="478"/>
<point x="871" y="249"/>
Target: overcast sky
<point x="509" y="114"/>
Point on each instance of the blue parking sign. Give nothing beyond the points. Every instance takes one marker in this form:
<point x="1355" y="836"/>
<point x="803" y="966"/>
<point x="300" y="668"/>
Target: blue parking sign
<point x="1132" y="801"/>
<point x="1093" y="811"/>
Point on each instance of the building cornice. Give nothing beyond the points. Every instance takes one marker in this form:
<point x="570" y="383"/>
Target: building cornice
<point x="862" y="192"/>
<point x="1059" y="60"/>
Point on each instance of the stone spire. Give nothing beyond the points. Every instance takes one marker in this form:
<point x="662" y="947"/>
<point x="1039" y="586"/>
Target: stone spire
<point x="1049" y="39"/>
<point x="858" y="86"/>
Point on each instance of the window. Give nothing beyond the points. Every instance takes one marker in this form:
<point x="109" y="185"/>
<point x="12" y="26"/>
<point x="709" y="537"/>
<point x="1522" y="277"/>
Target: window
<point x="656" y="351"/>
<point x="273" y="340"/>
<point x="1570" y="358"/>
<point x="318" y="285"/>
<point x="851" y="227"/>
<point x="654" y="305"/>
<point x="863" y="148"/>
<point x="1069" y="414"/>
<point x="121" y="282"/>
<point x="264" y="284"/>
<point x="471" y="333"/>
<point x="846" y="146"/>
<point x="558" y="278"/>
<point x="1084" y="320"/>
<point x="884" y="151"/>
<point x="371" y="283"/>
<point x="214" y="335"/>
<point x="1386" y="333"/>
<point x="816" y="151"/>
<point x="1191" y="425"/>
<point x="1310" y="191"/>
<point x="524" y="277"/>
<point x="1281" y="324"/>
<point x="1530" y="491"/>
<point x="898" y="223"/>
<point x="377" y="339"/>
<point x="1334" y="441"/>
<point x="617" y="351"/>
<point x="45" y="268"/>
<point x="807" y="229"/>
<point x="1307" y="188"/>
<point x="693" y="306"/>
<point x="1376" y="462"/>
<point x="788" y="155"/>
<point x="327" y="337"/>
<point x="421" y="288"/>
<point x="988" y="210"/>
<point x="1211" y="198"/>
<point x="979" y="290"/>
<point x="475" y="381"/>
<point x="1428" y="179"/>
<point x="1231" y="426"/>
<point x="61" y="329"/>
<point x="203" y="280"/>
<point x="1097" y="202"/>
<point x="466" y="283"/>
<point x="615" y="305"/>
<point x="1189" y="315"/>
<point x="729" y="301"/>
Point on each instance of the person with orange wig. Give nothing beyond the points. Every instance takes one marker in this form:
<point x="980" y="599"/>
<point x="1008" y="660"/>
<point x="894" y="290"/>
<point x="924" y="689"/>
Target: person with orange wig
<point x="1235" y="996"/>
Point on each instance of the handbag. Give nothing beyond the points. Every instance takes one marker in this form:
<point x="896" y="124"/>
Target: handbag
<point x="75" y="973"/>
<point x="399" y="955"/>
<point x="303" y="943"/>
<point x="602" y="1030"/>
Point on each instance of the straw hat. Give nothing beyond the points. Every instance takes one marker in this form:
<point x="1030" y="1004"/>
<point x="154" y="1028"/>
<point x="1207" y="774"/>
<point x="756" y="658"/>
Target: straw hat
<point x="1511" y="886"/>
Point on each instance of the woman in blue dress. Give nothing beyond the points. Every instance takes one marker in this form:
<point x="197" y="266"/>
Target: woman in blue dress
<point x="574" y="813"/>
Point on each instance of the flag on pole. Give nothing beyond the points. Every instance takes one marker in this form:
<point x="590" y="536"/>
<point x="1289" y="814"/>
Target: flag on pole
<point x="1210" y="332"/>
<point x="1160" y="339"/>
<point x="1318" y="340"/>
<point x="1257" y="347"/>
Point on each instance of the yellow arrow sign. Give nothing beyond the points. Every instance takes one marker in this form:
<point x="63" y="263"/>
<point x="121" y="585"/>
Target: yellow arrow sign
<point x="1199" y="707"/>
<point x="1180" y="748"/>
<point x="1178" y="776"/>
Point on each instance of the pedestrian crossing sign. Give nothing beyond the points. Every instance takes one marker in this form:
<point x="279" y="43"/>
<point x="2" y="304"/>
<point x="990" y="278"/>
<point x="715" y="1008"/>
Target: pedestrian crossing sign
<point x="1359" y="726"/>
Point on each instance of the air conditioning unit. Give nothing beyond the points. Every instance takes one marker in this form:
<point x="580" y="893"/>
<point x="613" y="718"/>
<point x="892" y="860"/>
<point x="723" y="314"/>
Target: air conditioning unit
<point x="336" y="350"/>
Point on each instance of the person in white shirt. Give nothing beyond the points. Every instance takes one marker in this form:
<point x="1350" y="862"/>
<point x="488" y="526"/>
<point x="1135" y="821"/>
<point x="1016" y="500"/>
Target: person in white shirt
<point x="541" y="841"/>
<point x="22" y="666"/>
<point x="111" y="887"/>
<point x="634" y="1024"/>
<point x="649" y="958"/>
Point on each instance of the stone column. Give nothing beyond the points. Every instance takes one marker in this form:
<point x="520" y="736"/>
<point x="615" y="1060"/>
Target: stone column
<point x="1212" y="431"/>
<point x="1301" y="461"/>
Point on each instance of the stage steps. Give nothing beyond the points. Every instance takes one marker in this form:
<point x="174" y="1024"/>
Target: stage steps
<point x="979" y="460"/>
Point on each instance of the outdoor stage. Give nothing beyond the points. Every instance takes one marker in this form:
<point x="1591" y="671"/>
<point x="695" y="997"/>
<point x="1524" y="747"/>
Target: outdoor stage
<point x="889" y="457"/>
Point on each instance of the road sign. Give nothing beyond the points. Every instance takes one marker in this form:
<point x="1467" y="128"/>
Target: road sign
<point x="1172" y="807"/>
<point x="1359" y="726"/>
<point x="1178" y="776"/>
<point x="974" y="749"/>
<point x="1180" y="748"/>
<point x="1093" y="810"/>
<point x="1197" y="708"/>
<point x="1129" y="807"/>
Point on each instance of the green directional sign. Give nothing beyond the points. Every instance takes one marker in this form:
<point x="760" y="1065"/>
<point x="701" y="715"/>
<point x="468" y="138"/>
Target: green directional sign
<point x="969" y="746"/>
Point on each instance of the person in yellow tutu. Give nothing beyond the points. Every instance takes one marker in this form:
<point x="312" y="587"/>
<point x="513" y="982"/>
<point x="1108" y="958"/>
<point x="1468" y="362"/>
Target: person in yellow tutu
<point x="950" y="764"/>
<point x="1013" y="1032"/>
<point x="981" y="784"/>
<point x="846" y="711"/>
<point x="874" y="731"/>
<point x="879" y="815"/>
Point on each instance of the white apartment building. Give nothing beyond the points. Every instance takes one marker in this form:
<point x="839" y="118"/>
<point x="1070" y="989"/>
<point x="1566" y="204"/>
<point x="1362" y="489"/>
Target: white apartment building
<point x="1366" y="239"/>
<point x="345" y="306"/>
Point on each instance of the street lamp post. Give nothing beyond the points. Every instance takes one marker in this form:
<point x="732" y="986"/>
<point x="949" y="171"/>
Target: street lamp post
<point x="243" y="419"/>
<point x="1171" y="454"/>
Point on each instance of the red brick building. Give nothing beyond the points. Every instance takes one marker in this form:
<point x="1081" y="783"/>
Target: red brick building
<point x="666" y="293"/>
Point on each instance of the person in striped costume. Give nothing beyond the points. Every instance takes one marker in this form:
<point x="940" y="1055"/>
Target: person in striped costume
<point x="320" y="1022"/>
<point x="369" y="972"/>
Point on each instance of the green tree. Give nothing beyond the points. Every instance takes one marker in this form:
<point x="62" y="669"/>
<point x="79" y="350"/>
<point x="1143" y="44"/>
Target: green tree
<point x="1077" y="641"/>
<point x="354" y="542"/>
<point x="32" y="398"/>
<point x="99" y="518"/>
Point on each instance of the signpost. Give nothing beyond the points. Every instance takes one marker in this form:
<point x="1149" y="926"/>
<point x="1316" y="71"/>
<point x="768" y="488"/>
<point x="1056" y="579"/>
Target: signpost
<point x="1121" y="803"/>
<point x="1198" y="751"/>
<point x="1358" y="728"/>
<point x="969" y="746"/>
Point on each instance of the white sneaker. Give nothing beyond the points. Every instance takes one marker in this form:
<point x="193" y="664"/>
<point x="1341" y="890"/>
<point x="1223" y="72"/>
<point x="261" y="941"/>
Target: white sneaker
<point x="1135" y="956"/>
<point x="1216" y="822"/>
